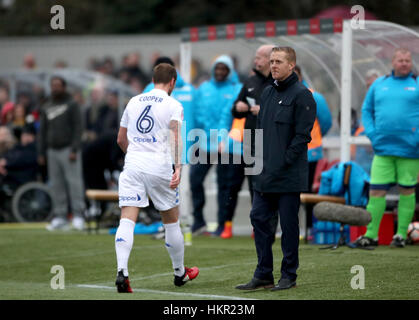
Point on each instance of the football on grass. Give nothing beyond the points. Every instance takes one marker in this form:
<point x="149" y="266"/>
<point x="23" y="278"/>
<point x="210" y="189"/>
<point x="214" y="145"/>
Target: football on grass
<point x="413" y="232"/>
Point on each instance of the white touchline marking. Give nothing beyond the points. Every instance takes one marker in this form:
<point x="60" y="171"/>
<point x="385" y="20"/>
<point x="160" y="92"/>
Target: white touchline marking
<point x="200" y="269"/>
<point x="183" y="294"/>
<point x="157" y="275"/>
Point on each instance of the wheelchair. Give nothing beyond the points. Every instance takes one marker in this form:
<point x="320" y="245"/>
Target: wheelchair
<point x="30" y="202"/>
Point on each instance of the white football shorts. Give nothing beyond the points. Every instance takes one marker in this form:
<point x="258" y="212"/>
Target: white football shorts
<point x="135" y="188"/>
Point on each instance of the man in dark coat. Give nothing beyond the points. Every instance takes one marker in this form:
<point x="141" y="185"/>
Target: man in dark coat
<point x="287" y="114"/>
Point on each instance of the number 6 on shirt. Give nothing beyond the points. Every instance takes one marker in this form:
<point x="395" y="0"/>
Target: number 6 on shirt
<point x="149" y="122"/>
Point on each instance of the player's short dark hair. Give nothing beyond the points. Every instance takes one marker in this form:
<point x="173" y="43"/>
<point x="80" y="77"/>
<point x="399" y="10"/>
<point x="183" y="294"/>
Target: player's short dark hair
<point x="164" y="60"/>
<point x="164" y="73"/>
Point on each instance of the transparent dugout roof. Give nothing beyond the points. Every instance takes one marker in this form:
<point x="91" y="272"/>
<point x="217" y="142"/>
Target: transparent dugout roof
<point x="319" y="51"/>
<point x="89" y="84"/>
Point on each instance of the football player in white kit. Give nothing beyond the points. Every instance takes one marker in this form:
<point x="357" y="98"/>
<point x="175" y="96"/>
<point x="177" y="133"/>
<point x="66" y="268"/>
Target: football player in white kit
<point x="149" y="134"/>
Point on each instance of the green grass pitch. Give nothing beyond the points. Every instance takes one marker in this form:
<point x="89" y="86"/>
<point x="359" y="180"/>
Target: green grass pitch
<point x="28" y="252"/>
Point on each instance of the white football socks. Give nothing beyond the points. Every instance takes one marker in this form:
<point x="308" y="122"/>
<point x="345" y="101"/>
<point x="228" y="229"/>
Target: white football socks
<point x="124" y="239"/>
<point x="175" y="246"/>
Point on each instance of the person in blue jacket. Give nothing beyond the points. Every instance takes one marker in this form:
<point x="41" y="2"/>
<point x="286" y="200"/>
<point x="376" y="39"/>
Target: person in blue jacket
<point x="323" y="115"/>
<point x="390" y="115"/>
<point x="232" y="144"/>
<point x="315" y="148"/>
<point x="363" y="155"/>
<point x="214" y="100"/>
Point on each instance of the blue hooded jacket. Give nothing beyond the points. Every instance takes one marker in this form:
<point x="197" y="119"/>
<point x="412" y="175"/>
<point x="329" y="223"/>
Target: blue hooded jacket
<point x="214" y="101"/>
<point x="332" y="183"/>
<point x="390" y="115"/>
<point x="185" y="94"/>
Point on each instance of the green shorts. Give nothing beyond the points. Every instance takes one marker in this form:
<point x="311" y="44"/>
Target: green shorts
<point x="387" y="171"/>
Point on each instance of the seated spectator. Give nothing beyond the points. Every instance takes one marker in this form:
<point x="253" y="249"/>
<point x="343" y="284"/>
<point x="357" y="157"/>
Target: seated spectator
<point x="25" y="98"/>
<point x="7" y="140"/>
<point x="7" y="114"/>
<point x="4" y="96"/>
<point x="19" y="164"/>
<point x="97" y="97"/>
<point x="101" y="152"/>
<point x="18" y="120"/>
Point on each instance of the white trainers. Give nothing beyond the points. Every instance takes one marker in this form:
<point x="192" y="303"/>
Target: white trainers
<point x="58" y="223"/>
<point x="78" y="223"/>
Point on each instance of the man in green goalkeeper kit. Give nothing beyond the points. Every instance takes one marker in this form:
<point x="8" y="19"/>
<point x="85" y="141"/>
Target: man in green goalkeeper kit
<point x="390" y="115"/>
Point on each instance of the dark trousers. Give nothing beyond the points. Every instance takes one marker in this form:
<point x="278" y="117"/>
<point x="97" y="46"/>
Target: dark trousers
<point x="99" y="155"/>
<point x="229" y="181"/>
<point x="235" y="177"/>
<point x="310" y="206"/>
<point x="264" y="219"/>
<point x="250" y="184"/>
<point x="197" y="176"/>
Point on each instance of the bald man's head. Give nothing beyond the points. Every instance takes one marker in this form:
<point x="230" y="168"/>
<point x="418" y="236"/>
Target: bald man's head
<point x="261" y="60"/>
<point x="266" y="49"/>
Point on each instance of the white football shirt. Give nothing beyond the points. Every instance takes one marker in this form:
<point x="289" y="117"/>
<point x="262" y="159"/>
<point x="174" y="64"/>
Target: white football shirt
<point x="147" y="117"/>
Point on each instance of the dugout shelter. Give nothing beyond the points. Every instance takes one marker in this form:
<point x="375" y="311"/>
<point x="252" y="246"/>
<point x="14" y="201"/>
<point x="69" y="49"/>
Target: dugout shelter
<point x="335" y="56"/>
